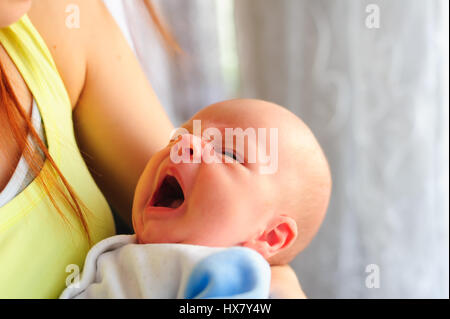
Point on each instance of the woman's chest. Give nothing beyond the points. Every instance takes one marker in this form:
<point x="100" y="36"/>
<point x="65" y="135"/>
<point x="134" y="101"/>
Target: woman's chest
<point x="13" y="89"/>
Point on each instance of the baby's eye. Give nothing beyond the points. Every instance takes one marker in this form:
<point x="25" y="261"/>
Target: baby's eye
<point x="232" y="154"/>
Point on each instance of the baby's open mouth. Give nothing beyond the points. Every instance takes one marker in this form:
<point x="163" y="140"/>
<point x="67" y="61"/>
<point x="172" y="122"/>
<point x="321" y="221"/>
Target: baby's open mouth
<point x="169" y="194"/>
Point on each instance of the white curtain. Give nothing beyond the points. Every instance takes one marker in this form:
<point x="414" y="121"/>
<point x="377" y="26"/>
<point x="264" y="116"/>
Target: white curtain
<point x="372" y="96"/>
<point x="185" y="83"/>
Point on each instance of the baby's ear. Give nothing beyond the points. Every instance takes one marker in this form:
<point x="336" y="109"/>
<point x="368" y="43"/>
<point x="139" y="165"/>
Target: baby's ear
<point x="279" y="235"/>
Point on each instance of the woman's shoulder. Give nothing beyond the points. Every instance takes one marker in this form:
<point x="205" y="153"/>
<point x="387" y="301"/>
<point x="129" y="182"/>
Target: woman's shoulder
<point x="68" y="28"/>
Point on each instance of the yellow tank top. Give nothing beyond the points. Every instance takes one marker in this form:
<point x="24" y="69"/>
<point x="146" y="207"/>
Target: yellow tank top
<point x="38" y="250"/>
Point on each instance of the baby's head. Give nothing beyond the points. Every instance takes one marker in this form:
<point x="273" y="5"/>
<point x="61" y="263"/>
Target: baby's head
<point x="269" y="193"/>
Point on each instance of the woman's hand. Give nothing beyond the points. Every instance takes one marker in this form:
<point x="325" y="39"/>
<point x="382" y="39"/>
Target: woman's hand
<point x="284" y="284"/>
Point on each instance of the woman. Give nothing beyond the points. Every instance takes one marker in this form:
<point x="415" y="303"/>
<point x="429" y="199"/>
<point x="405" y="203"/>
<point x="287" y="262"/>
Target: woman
<point x="59" y="81"/>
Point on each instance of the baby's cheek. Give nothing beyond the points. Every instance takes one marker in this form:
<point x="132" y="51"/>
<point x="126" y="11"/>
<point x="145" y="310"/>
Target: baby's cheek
<point x="212" y="184"/>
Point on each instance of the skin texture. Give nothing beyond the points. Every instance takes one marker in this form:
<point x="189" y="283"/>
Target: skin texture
<point x="101" y="76"/>
<point x="12" y="10"/>
<point x="233" y="204"/>
<point x="284" y="284"/>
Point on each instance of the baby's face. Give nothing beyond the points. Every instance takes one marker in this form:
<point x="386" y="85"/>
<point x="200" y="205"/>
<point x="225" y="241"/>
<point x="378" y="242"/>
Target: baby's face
<point x="218" y="201"/>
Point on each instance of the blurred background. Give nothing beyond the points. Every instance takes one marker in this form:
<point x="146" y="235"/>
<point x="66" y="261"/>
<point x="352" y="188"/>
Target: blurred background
<point x="371" y="80"/>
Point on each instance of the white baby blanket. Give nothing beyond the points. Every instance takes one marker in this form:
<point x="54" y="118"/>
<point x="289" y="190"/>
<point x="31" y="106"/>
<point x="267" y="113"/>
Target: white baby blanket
<point x="117" y="267"/>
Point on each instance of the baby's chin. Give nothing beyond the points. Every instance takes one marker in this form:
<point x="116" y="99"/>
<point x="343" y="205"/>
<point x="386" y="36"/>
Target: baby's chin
<point x="141" y="238"/>
<point x="138" y="230"/>
<point x="143" y="241"/>
<point x="149" y="237"/>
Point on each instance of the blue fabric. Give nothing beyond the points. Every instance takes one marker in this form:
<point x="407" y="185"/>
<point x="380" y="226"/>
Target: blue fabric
<point x="236" y="272"/>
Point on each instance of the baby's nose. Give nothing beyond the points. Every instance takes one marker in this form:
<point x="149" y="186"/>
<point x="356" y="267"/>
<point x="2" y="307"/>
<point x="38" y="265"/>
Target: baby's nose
<point x="189" y="148"/>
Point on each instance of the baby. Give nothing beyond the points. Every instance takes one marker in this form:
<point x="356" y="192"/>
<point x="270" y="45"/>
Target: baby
<point x="265" y="189"/>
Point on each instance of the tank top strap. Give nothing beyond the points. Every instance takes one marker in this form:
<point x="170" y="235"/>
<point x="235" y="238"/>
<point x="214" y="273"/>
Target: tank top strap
<point x="31" y="56"/>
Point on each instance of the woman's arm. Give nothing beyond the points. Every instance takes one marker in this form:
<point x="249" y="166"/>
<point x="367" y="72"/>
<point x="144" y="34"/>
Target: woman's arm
<point x="118" y="120"/>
